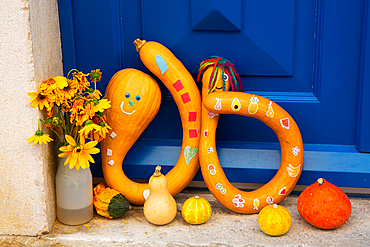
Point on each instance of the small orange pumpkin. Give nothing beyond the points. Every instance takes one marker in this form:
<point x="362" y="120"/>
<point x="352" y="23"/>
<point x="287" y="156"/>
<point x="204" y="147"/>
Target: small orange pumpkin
<point x="324" y="205"/>
<point x="274" y="220"/>
<point x="196" y="210"/>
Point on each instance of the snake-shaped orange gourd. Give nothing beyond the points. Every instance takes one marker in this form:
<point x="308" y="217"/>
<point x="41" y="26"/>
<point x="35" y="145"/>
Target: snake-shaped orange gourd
<point x="220" y="102"/>
<point x="180" y="83"/>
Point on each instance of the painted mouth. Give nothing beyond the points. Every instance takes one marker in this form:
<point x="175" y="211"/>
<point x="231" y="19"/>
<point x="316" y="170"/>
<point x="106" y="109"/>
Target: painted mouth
<point x="219" y="88"/>
<point x="125" y="112"/>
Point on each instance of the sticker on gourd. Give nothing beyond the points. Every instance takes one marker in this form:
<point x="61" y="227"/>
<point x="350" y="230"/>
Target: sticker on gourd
<point x="270" y="200"/>
<point x="295" y="151"/>
<point x="235" y="105"/>
<point x="212" y="169"/>
<point x="189" y="154"/>
<point x="128" y="106"/>
<point x="293" y="171"/>
<point x="238" y="201"/>
<point x="221" y="188"/>
<point x="253" y="105"/>
<point x="285" y="123"/>
<point x="282" y="191"/>
<point x="256" y="204"/>
<point x="163" y="67"/>
<point x="218" y="105"/>
<point x="212" y="115"/>
<point x="270" y="112"/>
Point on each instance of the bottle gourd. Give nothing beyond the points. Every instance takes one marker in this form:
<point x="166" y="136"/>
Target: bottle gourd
<point x="160" y="207"/>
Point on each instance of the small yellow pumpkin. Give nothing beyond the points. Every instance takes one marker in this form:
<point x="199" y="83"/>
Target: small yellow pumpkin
<point x="109" y="202"/>
<point x="274" y="220"/>
<point x="196" y="210"/>
<point x="160" y="208"/>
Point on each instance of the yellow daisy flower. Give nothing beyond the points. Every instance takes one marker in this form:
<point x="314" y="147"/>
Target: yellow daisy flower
<point x="89" y="129"/>
<point x="60" y="82"/>
<point x="82" y="82"/>
<point x="79" y="155"/>
<point x="39" y="137"/>
<point x="40" y="100"/>
<point x="95" y="95"/>
<point x="102" y="105"/>
<point x="68" y="91"/>
<point x="101" y="133"/>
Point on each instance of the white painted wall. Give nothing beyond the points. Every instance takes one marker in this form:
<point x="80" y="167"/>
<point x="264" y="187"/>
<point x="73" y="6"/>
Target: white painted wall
<point x="30" y="52"/>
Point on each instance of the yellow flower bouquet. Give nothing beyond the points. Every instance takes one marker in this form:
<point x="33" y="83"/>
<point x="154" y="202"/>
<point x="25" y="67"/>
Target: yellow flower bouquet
<point x="75" y="112"/>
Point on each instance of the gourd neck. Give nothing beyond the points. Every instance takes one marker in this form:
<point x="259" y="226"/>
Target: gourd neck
<point x="320" y="181"/>
<point x="157" y="172"/>
<point x="139" y="43"/>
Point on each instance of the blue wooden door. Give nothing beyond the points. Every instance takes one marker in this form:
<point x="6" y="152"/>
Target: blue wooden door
<point x="310" y="57"/>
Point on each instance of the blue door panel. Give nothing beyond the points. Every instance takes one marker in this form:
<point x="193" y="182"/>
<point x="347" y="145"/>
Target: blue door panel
<point x="363" y="110"/>
<point x="310" y="57"/>
<point x="267" y="52"/>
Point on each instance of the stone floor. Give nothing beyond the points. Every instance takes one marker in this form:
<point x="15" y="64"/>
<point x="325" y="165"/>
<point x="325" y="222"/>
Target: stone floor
<point x="224" y="228"/>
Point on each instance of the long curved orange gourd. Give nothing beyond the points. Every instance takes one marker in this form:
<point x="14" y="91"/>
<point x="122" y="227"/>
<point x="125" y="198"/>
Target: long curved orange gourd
<point x="277" y="119"/>
<point x="135" y="98"/>
<point x="162" y="63"/>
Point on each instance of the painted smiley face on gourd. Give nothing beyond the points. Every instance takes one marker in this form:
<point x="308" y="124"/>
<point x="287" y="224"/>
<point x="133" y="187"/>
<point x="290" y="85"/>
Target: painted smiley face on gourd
<point x="220" y="83"/>
<point x="128" y="105"/>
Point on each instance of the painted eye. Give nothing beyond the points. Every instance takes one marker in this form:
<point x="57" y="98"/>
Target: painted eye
<point x="226" y="77"/>
<point x="138" y="97"/>
<point x="127" y="95"/>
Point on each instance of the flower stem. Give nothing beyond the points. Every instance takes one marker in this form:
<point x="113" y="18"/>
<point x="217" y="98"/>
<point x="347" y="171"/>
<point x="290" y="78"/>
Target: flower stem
<point x="71" y="71"/>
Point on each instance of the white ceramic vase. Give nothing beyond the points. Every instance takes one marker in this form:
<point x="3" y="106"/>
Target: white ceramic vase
<point x="74" y="194"/>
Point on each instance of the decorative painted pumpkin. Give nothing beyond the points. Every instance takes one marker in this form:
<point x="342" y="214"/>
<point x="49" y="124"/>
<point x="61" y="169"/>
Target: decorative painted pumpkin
<point x="135" y="98"/>
<point x="274" y="220"/>
<point x="218" y="75"/>
<point x="180" y="83"/>
<point x="109" y="202"/>
<point x="324" y="205"/>
<point x="160" y="208"/>
<point x="196" y="210"/>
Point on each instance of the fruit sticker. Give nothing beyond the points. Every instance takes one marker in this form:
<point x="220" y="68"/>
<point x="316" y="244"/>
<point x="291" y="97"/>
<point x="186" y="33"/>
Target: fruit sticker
<point x="205" y="133"/>
<point x="221" y="188"/>
<point x="256" y="204"/>
<point x="218" y="105"/>
<point x="282" y="191"/>
<point x="238" y="201"/>
<point x="212" y="169"/>
<point x="235" y="105"/>
<point x="253" y="105"/>
<point x="284" y="123"/>
<point x="210" y="150"/>
<point x="293" y="171"/>
<point x="270" y="112"/>
<point x="270" y="200"/>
